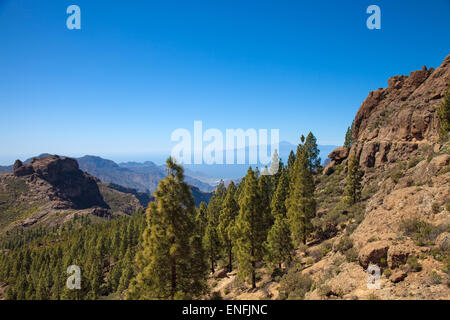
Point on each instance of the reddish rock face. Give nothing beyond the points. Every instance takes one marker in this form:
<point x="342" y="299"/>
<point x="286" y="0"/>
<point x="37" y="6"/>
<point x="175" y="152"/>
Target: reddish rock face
<point x="391" y="121"/>
<point x="68" y="181"/>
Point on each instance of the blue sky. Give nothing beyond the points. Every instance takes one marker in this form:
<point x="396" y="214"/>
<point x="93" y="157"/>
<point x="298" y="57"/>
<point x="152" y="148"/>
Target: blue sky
<point x="137" y="71"/>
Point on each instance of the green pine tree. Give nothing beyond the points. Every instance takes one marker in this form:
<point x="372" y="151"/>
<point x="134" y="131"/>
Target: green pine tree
<point x="291" y="160"/>
<point x="211" y="240"/>
<point x="165" y="261"/>
<point x="265" y="193"/>
<point x="201" y="219"/>
<point x="250" y="229"/>
<point x="226" y="223"/>
<point x="312" y="152"/>
<point x="301" y="204"/>
<point x="278" y="203"/>
<point x="348" y="136"/>
<point x="279" y="246"/>
<point x="353" y="184"/>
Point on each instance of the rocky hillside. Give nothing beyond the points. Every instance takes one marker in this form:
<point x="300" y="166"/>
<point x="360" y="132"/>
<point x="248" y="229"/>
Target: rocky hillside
<point x="51" y="190"/>
<point x="402" y="224"/>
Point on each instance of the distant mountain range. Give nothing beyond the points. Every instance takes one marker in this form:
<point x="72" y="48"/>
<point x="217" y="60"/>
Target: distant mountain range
<point x="229" y="172"/>
<point x="144" y="176"/>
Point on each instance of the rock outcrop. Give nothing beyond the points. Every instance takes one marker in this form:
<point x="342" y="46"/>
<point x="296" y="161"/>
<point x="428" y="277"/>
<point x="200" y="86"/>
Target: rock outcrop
<point x="50" y="190"/>
<point x="393" y="122"/>
<point x="374" y="253"/>
<point x="69" y="183"/>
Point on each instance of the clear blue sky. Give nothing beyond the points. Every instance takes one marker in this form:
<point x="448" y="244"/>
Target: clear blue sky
<point x="138" y="70"/>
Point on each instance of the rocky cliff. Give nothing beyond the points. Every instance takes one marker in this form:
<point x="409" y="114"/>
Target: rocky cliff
<point x="393" y="122"/>
<point x="66" y="181"/>
<point x="52" y="189"/>
<point x="404" y="229"/>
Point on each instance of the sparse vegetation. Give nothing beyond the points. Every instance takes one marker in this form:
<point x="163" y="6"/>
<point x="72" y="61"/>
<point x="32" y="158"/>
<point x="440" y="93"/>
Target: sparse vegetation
<point x="443" y="112"/>
<point x="413" y="264"/>
<point x="344" y="244"/>
<point x="396" y="175"/>
<point x="422" y="232"/>
<point x="435" y="207"/>
<point x="435" y="278"/>
<point x="294" y="285"/>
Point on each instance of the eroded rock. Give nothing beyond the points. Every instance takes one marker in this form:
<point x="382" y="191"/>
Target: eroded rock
<point x="373" y="253"/>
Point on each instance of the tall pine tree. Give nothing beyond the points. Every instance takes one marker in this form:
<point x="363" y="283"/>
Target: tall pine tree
<point x="278" y="203"/>
<point x="279" y="246"/>
<point x="166" y="269"/>
<point x="353" y="186"/>
<point x="211" y="240"/>
<point x="265" y="192"/>
<point x="348" y="136"/>
<point x="312" y="152"/>
<point x="227" y="221"/>
<point x="250" y="229"/>
<point x="301" y="205"/>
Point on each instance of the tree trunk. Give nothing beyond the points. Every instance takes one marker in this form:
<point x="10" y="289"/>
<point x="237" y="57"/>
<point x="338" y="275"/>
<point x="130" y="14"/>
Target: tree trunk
<point x="230" y="257"/>
<point x="253" y="275"/>
<point x="174" y="280"/>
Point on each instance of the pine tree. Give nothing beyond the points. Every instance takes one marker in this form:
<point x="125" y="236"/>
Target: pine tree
<point x="348" y="136"/>
<point x="278" y="203"/>
<point x="226" y="223"/>
<point x="201" y="219"/>
<point x="199" y="266"/>
<point x="165" y="262"/>
<point x="291" y="160"/>
<point x="312" y="152"/>
<point x="221" y="190"/>
<point x="279" y="246"/>
<point x="443" y="112"/>
<point x="353" y="185"/>
<point x="211" y="240"/>
<point x="301" y="205"/>
<point x="265" y="192"/>
<point x="250" y="229"/>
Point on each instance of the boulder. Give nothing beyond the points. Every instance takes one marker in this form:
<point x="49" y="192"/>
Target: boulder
<point x="373" y="253"/>
<point x="397" y="255"/>
<point x="398" y="276"/>
<point x="339" y="154"/>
